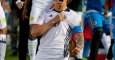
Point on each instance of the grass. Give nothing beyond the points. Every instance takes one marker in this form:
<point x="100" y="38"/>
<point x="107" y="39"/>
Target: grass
<point x="9" y="57"/>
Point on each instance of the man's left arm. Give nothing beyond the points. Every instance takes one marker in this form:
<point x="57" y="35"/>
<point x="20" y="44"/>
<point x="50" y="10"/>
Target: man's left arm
<point x="5" y="6"/>
<point x="78" y="40"/>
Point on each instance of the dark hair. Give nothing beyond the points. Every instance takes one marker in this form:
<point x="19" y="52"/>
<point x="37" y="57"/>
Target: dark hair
<point x="68" y="1"/>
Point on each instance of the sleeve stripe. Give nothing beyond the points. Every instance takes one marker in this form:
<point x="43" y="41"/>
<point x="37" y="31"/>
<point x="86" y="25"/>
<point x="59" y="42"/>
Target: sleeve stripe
<point x="76" y="29"/>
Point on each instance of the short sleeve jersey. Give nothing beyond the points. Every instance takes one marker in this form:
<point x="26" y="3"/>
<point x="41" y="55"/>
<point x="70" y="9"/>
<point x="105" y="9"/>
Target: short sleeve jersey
<point x="52" y="42"/>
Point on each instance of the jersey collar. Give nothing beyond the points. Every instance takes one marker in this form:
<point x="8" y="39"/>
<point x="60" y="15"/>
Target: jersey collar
<point x="67" y="10"/>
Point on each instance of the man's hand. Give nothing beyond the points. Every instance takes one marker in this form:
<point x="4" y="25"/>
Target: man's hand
<point x="6" y="7"/>
<point x="24" y="13"/>
<point x="20" y="4"/>
<point x="76" y="50"/>
<point x="106" y="15"/>
<point x="59" y="17"/>
<point x="76" y="44"/>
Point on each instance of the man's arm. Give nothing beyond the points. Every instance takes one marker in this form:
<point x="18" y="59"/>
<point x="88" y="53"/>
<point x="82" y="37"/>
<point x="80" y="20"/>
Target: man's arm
<point x="27" y="3"/>
<point x="106" y="7"/>
<point x="3" y="1"/>
<point x="24" y="13"/>
<point x="77" y="41"/>
<point x="5" y="6"/>
<point x="41" y="29"/>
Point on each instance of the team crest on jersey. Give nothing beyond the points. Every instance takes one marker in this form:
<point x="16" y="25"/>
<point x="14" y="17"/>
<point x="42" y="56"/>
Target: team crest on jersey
<point x="31" y="18"/>
<point x="95" y="22"/>
<point x="3" y="20"/>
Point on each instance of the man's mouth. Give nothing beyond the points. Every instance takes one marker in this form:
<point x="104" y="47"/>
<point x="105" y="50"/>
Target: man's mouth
<point x="61" y="0"/>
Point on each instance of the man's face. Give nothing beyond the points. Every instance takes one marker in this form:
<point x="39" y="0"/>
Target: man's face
<point x="61" y="2"/>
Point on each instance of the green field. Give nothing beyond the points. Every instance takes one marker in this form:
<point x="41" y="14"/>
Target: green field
<point x="9" y="57"/>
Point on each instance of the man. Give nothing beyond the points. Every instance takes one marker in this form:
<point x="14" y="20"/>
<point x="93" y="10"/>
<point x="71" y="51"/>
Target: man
<point x="113" y="27"/>
<point x="13" y="26"/>
<point x="108" y="5"/>
<point x="32" y="44"/>
<point x="3" y="28"/>
<point x="111" y="4"/>
<point x="23" y="31"/>
<point x="56" y="28"/>
<point x="95" y="13"/>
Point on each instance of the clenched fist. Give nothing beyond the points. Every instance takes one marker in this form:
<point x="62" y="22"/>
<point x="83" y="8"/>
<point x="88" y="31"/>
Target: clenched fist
<point x="20" y="4"/>
<point x="60" y="17"/>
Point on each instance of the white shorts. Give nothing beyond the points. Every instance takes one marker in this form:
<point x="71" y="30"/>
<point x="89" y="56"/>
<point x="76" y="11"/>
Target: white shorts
<point x="2" y="18"/>
<point x="106" y="41"/>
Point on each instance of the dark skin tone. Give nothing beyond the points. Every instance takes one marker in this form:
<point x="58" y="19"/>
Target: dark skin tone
<point x="106" y="7"/>
<point x="24" y="13"/>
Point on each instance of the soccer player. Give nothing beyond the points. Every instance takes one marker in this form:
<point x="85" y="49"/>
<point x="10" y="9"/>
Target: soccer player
<point x="113" y="28"/>
<point x="95" y="11"/>
<point x="56" y="28"/>
<point x="110" y="4"/>
<point x="3" y="28"/>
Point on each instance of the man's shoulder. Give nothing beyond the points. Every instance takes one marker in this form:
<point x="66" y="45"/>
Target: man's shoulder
<point x="75" y="13"/>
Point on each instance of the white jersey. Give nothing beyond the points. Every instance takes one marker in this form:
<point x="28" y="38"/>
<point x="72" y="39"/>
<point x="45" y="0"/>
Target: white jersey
<point x="2" y="18"/>
<point x="52" y="42"/>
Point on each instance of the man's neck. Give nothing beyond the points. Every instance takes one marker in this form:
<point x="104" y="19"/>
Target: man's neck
<point x="60" y="9"/>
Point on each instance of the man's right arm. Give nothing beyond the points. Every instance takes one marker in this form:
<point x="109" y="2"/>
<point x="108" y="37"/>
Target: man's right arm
<point x="41" y="29"/>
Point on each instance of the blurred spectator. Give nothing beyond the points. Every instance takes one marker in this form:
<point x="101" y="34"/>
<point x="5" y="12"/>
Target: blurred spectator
<point x="13" y="26"/>
<point x="23" y="31"/>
